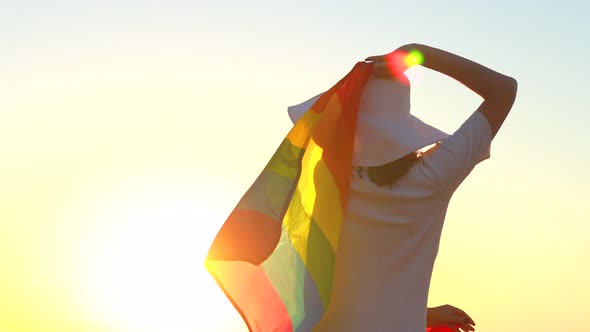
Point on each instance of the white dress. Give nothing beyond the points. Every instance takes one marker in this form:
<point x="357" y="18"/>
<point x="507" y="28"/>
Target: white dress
<point x="390" y="237"/>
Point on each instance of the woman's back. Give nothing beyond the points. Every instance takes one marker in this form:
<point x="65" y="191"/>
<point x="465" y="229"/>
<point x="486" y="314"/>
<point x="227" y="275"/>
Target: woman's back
<point x="390" y="237"/>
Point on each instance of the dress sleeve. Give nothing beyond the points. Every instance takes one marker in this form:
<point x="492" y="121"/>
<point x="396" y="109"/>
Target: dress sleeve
<point x="456" y="156"/>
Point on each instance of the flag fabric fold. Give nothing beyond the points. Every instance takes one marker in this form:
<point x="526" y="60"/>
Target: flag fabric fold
<point x="274" y="256"/>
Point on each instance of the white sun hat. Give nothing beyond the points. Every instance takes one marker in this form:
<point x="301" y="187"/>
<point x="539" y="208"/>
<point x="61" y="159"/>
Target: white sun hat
<point x="386" y="131"/>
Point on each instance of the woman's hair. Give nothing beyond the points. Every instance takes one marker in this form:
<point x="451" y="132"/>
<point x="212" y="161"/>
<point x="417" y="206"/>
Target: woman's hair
<point x="388" y="174"/>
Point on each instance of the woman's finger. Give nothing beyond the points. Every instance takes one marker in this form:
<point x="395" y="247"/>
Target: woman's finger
<point x="469" y="320"/>
<point x="467" y="328"/>
<point x="462" y="322"/>
<point x="457" y="320"/>
<point x="376" y="58"/>
<point x="463" y="315"/>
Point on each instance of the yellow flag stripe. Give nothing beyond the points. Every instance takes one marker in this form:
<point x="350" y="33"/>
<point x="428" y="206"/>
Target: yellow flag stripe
<point x="300" y="132"/>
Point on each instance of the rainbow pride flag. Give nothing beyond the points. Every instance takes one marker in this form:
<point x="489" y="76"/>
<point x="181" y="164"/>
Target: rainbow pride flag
<point x="274" y="256"/>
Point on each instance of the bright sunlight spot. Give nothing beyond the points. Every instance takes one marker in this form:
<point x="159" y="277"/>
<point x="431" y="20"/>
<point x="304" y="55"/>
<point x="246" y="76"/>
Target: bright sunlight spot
<point x="414" y="58"/>
<point x="143" y="269"/>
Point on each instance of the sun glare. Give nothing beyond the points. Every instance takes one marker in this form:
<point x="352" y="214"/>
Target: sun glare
<point x="142" y="270"/>
<point x="401" y="63"/>
<point x="415" y="75"/>
<point x="414" y="58"/>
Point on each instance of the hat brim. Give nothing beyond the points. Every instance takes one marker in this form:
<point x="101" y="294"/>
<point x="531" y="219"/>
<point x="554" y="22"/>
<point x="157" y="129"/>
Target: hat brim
<point x="385" y="142"/>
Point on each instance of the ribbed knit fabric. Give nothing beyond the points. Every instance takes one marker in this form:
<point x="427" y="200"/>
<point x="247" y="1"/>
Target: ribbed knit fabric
<point x="390" y="237"/>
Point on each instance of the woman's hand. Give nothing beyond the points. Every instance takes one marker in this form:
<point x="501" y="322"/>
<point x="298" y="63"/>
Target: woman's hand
<point x="392" y="65"/>
<point x="497" y="90"/>
<point x="449" y="317"/>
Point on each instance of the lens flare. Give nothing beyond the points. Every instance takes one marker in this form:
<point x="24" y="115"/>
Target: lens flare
<point x="396" y="62"/>
<point x="399" y="65"/>
<point x="414" y="58"/>
<point x="415" y="75"/>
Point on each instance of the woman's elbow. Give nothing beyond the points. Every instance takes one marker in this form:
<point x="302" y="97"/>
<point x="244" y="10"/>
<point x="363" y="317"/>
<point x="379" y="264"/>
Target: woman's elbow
<point x="511" y="88"/>
<point x="505" y="91"/>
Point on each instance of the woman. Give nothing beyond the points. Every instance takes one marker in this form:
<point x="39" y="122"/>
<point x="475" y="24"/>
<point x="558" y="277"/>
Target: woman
<point x="399" y="196"/>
